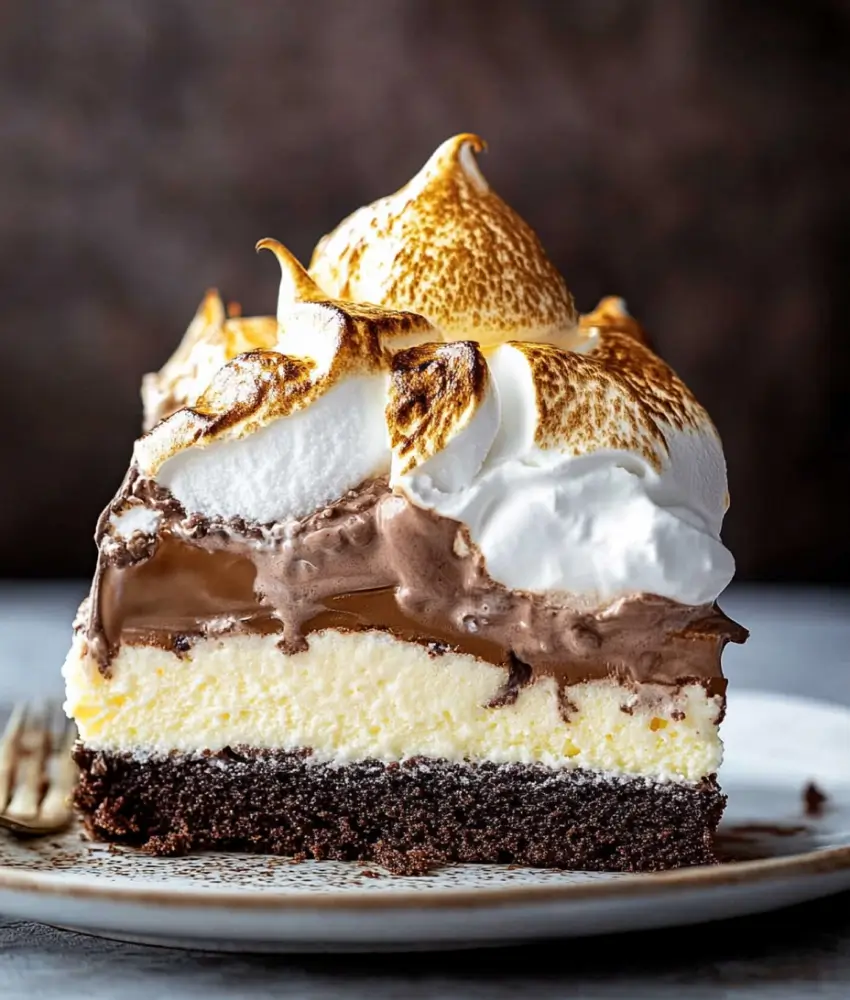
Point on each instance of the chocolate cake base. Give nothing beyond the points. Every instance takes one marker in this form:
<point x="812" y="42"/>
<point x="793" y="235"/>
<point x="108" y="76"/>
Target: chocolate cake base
<point x="409" y="817"/>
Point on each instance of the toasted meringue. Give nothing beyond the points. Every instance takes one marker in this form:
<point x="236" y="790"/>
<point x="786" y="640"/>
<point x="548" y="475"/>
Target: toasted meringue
<point x="211" y="340"/>
<point x="442" y="413"/>
<point x="611" y="314"/>
<point x="448" y="247"/>
<point x="314" y="403"/>
<point x="605" y="477"/>
<point x="338" y="334"/>
<point x="576" y="460"/>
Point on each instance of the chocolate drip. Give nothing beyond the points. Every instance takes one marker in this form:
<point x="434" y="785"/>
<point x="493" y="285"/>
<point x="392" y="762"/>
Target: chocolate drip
<point x="519" y="674"/>
<point x="373" y="560"/>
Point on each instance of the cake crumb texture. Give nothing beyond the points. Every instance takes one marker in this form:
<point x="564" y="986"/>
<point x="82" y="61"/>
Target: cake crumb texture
<point x="409" y="817"/>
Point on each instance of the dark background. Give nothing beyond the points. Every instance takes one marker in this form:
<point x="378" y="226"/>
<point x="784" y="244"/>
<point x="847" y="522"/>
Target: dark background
<point x="690" y="155"/>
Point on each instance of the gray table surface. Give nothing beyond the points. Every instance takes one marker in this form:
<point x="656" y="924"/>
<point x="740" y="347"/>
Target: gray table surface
<point x="800" y="644"/>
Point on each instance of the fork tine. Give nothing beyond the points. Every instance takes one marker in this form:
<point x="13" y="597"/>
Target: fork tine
<point x="9" y="751"/>
<point x="29" y="772"/>
<point x="61" y="776"/>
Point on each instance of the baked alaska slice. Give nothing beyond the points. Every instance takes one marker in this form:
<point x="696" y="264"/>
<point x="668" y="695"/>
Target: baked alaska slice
<point x="423" y="572"/>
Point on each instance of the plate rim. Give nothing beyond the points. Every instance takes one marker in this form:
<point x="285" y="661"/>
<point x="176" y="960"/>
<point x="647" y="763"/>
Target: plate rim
<point x="821" y="861"/>
<point x="824" y="861"/>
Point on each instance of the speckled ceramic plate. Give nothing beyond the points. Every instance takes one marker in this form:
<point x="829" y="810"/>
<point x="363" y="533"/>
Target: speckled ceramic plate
<point x="775" y="747"/>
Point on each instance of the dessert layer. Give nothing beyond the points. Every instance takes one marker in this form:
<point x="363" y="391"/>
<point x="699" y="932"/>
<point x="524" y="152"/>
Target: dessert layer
<point x="359" y="695"/>
<point x="408" y="817"/>
<point x="374" y="560"/>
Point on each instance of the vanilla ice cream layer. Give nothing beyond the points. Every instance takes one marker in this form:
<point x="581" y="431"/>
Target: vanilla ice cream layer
<point x="355" y="696"/>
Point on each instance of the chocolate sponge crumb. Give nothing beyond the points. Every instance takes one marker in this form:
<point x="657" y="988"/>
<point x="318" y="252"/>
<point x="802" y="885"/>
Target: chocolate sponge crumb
<point x="409" y="818"/>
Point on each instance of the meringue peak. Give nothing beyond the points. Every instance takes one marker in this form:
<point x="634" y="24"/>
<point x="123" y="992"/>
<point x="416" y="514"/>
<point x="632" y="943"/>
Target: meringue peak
<point x="612" y="314"/>
<point x="317" y="344"/>
<point x="296" y="285"/>
<point x="447" y="246"/>
<point x="455" y="156"/>
<point x="214" y="337"/>
<point x="621" y="346"/>
<point x="334" y="331"/>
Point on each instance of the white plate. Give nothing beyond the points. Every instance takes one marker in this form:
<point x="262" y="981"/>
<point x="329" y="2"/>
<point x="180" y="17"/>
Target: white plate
<point x="775" y="745"/>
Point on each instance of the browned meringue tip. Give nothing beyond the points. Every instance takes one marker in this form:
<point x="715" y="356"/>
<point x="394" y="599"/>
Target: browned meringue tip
<point x="446" y="246"/>
<point x="612" y="313"/>
<point x="453" y="145"/>
<point x="211" y="309"/>
<point x="295" y="283"/>
<point x="214" y="332"/>
<point x="609" y="307"/>
<point x="454" y="153"/>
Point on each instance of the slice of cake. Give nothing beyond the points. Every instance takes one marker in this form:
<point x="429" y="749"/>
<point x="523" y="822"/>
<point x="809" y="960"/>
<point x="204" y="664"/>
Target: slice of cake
<point x="422" y="571"/>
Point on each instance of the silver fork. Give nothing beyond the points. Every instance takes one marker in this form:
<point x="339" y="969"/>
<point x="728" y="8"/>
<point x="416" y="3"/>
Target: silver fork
<point x="37" y="774"/>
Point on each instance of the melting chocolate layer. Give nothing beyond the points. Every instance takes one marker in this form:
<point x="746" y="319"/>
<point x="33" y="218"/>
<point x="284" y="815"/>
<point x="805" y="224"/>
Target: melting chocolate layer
<point x="373" y="560"/>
